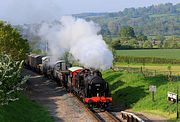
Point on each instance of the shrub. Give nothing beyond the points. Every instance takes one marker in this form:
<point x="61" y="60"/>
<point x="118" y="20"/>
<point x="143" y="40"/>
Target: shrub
<point x="10" y="78"/>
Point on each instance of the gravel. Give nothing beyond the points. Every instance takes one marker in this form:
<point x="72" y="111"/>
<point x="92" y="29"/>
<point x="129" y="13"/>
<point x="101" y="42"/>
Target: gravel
<point x="61" y="105"/>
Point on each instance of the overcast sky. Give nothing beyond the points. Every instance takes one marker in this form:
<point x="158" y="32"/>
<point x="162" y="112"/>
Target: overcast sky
<point x="26" y="11"/>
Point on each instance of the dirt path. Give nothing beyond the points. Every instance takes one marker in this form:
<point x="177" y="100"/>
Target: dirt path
<point x="61" y="105"/>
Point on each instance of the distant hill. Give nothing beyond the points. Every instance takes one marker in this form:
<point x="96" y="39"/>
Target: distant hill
<point x="162" y="19"/>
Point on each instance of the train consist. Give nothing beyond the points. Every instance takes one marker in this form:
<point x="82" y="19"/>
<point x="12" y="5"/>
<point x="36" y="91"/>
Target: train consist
<point x="86" y="83"/>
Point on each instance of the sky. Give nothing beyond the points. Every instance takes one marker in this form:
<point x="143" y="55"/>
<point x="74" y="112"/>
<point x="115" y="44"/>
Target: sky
<point x="29" y="11"/>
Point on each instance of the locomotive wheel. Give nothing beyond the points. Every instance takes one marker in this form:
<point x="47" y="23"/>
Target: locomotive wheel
<point x="90" y="106"/>
<point x="102" y="108"/>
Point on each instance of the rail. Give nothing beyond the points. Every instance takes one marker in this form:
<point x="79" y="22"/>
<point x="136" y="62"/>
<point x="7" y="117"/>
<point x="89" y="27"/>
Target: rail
<point x="106" y="117"/>
<point x="114" y="118"/>
<point x="97" y="119"/>
<point x="130" y="117"/>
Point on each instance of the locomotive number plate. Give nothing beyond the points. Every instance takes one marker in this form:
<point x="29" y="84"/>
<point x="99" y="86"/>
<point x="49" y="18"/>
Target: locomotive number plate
<point x="97" y="85"/>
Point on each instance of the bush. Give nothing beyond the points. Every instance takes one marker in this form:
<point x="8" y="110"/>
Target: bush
<point x="10" y="78"/>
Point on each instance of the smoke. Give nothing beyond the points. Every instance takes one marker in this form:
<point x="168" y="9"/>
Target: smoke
<point x="79" y="38"/>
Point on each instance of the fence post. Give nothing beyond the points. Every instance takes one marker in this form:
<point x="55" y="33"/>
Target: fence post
<point x="177" y="101"/>
<point x="141" y="70"/>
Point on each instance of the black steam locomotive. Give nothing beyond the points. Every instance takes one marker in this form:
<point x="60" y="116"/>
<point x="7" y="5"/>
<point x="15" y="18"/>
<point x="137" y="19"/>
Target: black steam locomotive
<point x="86" y="83"/>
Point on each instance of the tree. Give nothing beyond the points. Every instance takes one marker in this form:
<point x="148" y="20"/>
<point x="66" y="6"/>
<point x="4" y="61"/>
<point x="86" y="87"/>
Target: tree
<point x="113" y="27"/>
<point x="141" y="37"/>
<point x="133" y="43"/>
<point x="127" y="32"/>
<point x="12" y="43"/>
<point x="172" y="42"/>
<point x="147" y="44"/>
<point x="116" y="44"/>
<point x="160" y="38"/>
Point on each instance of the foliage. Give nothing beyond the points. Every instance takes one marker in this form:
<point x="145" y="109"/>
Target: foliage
<point x="160" y="38"/>
<point x="133" y="43"/>
<point x="172" y="42"/>
<point x="11" y="42"/>
<point x="141" y="37"/>
<point x="147" y="44"/>
<point x="24" y="110"/>
<point x="116" y="44"/>
<point x="10" y="78"/>
<point x="159" y="19"/>
<point x="113" y="27"/>
<point x="127" y="32"/>
<point x="38" y="51"/>
<point x="159" y="41"/>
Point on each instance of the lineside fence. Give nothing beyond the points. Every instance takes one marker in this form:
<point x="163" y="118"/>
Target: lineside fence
<point x="171" y="75"/>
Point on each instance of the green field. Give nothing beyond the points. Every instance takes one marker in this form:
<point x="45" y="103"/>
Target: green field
<point x="24" y="110"/>
<point x="131" y="90"/>
<point x="159" y="53"/>
<point x="162" y="68"/>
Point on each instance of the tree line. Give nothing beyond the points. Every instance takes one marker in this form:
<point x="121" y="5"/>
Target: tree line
<point x="127" y="39"/>
<point x="162" y="19"/>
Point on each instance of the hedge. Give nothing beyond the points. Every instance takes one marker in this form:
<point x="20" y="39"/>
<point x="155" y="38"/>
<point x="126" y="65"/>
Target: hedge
<point x="131" y="59"/>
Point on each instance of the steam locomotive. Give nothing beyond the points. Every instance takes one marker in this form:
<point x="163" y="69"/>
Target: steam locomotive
<point x="85" y="83"/>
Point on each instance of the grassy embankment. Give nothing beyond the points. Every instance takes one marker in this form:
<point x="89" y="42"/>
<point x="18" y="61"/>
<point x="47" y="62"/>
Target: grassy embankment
<point x="131" y="90"/>
<point x="24" y="110"/>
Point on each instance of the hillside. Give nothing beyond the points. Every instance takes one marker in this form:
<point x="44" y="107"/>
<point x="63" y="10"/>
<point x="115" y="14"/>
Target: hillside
<point x="162" y="19"/>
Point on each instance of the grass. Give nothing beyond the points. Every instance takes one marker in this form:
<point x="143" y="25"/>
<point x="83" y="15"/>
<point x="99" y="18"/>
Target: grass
<point x="24" y="110"/>
<point x="175" y="68"/>
<point x="131" y="90"/>
<point x="159" y="53"/>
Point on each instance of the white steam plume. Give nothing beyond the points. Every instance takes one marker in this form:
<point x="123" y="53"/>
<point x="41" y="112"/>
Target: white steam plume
<point x="80" y="38"/>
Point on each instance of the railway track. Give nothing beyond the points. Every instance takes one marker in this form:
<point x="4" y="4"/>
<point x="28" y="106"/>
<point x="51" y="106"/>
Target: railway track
<point x="107" y="117"/>
<point x="98" y="116"/>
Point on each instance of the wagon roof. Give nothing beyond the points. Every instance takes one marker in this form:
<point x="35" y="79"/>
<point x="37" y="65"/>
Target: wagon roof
<point x="45" y="57"/>
<point x="37" y="56"/>
<point x="59" y="61"/>
<point x="72" y="69"/>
